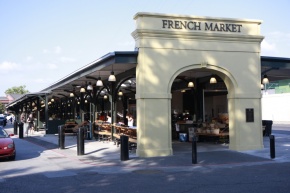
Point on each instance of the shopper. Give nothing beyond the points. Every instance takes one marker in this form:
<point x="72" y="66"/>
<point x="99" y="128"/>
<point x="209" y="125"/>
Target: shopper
<point x="30" y="121"/>
<point x="130" y="120"/>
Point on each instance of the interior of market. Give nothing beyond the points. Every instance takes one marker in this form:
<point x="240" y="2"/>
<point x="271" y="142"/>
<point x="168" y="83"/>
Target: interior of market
<point x="199" y="101"/>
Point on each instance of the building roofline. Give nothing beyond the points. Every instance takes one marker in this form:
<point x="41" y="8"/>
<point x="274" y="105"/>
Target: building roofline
<point x="104" y="61"/>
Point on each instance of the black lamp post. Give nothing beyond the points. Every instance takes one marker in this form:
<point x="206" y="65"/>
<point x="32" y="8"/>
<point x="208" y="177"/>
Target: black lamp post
<point x="112" y="80"/>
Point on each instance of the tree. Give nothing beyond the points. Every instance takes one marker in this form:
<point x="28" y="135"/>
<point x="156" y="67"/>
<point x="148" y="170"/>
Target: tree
<point x="17" y="90"/>
<point x="2" y="108"/>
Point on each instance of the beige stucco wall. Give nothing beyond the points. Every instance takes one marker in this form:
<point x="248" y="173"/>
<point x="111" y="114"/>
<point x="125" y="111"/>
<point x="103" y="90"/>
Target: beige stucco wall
<point x="165" y="53"/>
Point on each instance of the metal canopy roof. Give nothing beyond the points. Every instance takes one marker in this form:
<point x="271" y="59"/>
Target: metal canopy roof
<point x="124" y="65"/>
<point x="27" y="97"/>
<point x="119" y="62"/>
<point x="275" y="68"/>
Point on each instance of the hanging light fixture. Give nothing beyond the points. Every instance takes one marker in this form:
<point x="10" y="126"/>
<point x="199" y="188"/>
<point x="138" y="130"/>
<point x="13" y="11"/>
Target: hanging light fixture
<point x="212" y="80"/>
<point x="265" y="79"/>
<point x="99" y="82"/>
<point x="52" y="100"/>
<point x="112" y="77"/>
<point x="71" y="94"/>
<point x="262" y="87"/>
<point x="90" y="87"/>
<point x="105" y="96"/>
<point x="82" y="90"/>
<point x="190" y="84"/>
<point x="120" y="93"/>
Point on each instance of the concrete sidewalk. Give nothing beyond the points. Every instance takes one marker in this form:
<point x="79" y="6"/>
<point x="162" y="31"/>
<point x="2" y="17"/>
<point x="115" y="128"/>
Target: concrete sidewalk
<point x="209" y="154"/>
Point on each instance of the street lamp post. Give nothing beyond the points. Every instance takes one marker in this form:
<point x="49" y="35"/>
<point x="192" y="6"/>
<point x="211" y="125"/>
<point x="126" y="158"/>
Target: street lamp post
<point x="113" y="112"/>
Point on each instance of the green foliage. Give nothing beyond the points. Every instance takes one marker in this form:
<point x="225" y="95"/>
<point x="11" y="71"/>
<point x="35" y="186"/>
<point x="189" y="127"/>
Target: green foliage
<point x="17" y="90"/>
<point x="2" y="108"/>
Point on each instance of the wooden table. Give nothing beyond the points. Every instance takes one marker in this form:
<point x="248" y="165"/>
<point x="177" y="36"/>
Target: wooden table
<point x="221" y="137"/>
<point x="104" y="131"/>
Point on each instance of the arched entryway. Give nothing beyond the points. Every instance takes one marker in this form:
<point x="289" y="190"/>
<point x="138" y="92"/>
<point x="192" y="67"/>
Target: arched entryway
<point x="199" y="100"/>
<point x="169" y="45"/>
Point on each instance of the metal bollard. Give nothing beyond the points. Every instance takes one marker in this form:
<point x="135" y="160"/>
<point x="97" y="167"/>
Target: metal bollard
<point x="194" y="152"/>
<point x="272" y="146"/>
<point x="88" y="133"/>
<point x="15" y="127"/>
<point x="21" y="130"/>
<point x="81" y="141"/>
<point x="61" y="137"/>
<point x="124" y="147"/>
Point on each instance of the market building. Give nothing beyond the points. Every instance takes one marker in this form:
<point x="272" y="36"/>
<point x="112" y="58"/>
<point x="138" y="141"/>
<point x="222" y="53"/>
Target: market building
<point x="201" y="67"/>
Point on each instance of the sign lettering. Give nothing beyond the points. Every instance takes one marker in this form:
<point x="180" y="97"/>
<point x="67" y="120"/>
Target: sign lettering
<point x="199" y="26"/>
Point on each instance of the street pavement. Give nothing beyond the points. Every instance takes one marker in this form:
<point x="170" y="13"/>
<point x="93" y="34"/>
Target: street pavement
<point x="209" y="154"/>
<point x="218" y="169"/>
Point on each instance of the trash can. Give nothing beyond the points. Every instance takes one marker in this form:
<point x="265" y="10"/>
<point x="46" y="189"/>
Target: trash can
<point x="182" y="137"/>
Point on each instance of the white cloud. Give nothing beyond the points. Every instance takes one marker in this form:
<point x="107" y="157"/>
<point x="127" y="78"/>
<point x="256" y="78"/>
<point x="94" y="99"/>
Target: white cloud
<point x="8" y="67"/>
<point x="45" y="51"/>
<point x="57" y="50"/>
<point x="268" y="46"/>
<point x="279" y="35"/>
<point x="39" y="80"/>
<point x="52" y="66"/>
<point x="29" y="58"/>
<point x="128" y="43"/>
<point x="67" y="59"/>
<point x="276" y="43"/>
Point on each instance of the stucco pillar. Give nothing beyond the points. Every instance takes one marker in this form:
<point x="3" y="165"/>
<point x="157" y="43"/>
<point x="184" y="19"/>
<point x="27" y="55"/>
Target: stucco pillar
<point x="153" y="105"/>
<point x="245" y="135"/>
<point x="154" y="131"/>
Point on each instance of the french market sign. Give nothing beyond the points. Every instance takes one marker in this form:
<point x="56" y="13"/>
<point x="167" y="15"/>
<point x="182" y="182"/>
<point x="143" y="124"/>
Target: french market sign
<point x="201" y="26"/>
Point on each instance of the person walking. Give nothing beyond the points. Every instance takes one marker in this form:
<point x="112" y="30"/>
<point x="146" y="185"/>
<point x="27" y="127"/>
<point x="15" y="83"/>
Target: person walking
<point x="130" y="120"/>
<point x="30" y="121"/>
<point x="21" y="124"/>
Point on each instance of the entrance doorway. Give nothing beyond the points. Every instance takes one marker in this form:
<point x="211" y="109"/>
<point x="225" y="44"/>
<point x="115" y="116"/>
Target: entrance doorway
<point x="199" y="107"/>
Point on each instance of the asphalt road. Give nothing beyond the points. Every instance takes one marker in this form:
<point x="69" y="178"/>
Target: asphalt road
<point x="38" y="169"/>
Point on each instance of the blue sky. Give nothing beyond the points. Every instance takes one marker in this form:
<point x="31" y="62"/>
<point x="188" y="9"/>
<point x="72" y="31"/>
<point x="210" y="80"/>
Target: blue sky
<point x="43" y="41"/>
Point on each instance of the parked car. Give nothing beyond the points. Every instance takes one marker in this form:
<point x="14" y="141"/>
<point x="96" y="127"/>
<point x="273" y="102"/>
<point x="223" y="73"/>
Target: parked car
<point x="7" y="146"/>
